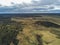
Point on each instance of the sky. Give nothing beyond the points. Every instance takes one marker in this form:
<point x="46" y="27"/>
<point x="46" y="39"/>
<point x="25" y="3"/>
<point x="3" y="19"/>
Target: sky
<point x="29" y="6"/>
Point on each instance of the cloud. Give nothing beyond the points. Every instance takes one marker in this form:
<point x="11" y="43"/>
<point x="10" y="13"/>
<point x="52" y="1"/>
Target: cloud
<point x="30" y="6"/>
<point x="12" y="2"/>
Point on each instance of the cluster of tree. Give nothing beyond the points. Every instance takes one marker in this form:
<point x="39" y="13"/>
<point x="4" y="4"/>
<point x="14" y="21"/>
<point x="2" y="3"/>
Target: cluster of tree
<point x="47" y="24"/>
<point x="9" y="31"/>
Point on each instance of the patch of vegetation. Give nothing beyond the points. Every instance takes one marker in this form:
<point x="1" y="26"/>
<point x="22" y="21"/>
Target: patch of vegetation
<point x="39" y="39"/>
<point x="47" y="24"/>
<point x="56" y="32"/>
<point x="8" y="32"/>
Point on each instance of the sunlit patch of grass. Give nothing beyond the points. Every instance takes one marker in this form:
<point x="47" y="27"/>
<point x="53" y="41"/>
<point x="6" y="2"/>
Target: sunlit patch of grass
<point x="56" y="42"/>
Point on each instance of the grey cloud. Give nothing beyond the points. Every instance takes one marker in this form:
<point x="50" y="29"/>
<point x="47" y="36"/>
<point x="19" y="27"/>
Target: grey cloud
<point x="48" y="2"/>
<point x="35" y="6"/>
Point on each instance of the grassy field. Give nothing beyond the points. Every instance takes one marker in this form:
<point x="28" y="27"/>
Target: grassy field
<point x="43" y="30"/>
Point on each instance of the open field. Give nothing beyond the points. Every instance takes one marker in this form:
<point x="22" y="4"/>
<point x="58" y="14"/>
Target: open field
<point x="38" y="30"/>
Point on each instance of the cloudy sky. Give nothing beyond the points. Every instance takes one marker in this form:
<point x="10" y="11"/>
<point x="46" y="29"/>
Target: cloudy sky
<point x="30" y="6"/>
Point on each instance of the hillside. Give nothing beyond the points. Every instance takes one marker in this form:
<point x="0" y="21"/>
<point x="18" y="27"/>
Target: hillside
<point x="43" y="30"/>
